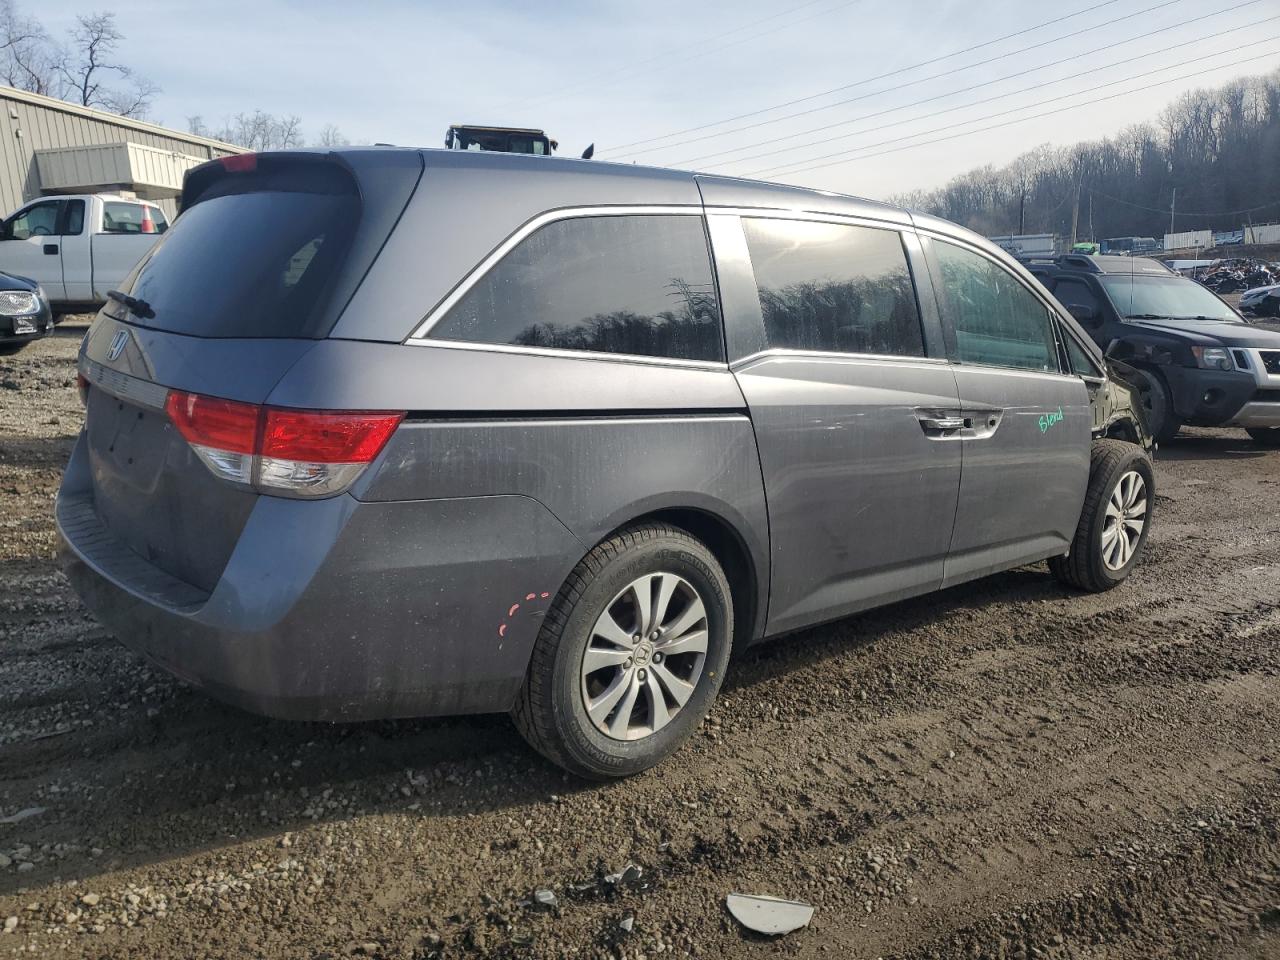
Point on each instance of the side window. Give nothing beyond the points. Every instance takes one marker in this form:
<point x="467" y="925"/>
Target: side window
<point x="832" y="287"/>
<point x="1076" y="293"/>
<point x="75" y="218"/>
<point x="638" y="284"/>
<point x="39" y="220"/>
<point x="997" y="320"/>
<point x="159" y="219"/>
<point x="1081" y="362"/>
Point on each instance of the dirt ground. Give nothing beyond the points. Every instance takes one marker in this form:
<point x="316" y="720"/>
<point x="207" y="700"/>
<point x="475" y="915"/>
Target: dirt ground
<point x="1006" y="769"/>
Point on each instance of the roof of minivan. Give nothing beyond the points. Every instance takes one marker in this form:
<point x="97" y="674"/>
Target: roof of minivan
<point x="477" y="215"/>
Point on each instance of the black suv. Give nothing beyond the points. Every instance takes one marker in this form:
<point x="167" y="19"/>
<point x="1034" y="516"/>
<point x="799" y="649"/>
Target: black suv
<point x="1199" y="361"/>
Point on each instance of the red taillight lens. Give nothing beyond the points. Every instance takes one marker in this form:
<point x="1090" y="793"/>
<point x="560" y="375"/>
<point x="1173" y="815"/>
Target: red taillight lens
<point x="301" y="453"/>
<point x="82" y="388"/>
<point x="210" y="422"/>
<point x="240" y="162"/>
<point x="322" y="437"/>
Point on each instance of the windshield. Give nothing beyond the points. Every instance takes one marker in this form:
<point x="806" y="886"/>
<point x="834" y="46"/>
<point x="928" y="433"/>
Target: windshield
<point x="1163" y="298"/>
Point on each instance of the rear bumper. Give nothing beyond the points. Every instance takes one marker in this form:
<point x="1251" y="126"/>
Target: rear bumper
<point x="338" y="609"/>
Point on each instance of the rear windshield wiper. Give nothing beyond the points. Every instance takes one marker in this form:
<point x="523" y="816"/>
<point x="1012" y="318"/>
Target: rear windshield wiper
<point x="135" y="306"/>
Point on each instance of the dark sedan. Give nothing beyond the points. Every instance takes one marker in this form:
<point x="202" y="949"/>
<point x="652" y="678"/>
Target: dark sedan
<point x="24" y="313"/>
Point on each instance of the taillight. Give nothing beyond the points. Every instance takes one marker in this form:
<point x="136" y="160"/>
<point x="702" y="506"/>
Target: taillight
<point x="82" y="388"/>
<point x="299" y="453"/>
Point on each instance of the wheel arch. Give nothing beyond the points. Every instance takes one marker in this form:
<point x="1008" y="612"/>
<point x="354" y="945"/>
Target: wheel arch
<point x="745" y="568"/>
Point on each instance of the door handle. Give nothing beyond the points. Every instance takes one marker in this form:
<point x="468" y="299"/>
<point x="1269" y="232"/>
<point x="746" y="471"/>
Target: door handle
<point x="943" y="423"/>
<point x="51" y="249"/>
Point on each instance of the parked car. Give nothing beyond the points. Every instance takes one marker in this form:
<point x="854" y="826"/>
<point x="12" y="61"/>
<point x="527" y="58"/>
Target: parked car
<point x="79" y="247"/>
<point x="24" y="313"/>
<point x="456" y="432"/>
<point x="1199" y="361"/>
<point x="1262" y="301"/>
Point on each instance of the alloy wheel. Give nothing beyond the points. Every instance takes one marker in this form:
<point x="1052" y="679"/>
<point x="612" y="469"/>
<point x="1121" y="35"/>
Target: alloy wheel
<point x="644" y="657"/>
<point x="1126" y="518"/>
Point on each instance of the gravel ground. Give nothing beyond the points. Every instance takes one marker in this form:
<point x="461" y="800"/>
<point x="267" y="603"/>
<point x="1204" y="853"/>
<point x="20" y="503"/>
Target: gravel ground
<point x="1006" y="769"/>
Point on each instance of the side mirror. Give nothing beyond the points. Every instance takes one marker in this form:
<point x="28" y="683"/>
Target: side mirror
<point x="1086" y="314"/>
<point x="6" y="230"/>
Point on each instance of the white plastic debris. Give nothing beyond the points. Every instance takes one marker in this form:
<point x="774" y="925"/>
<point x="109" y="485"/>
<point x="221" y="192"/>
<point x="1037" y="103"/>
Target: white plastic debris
<point x="23" y="815"/>
<point x="769" y="915"/>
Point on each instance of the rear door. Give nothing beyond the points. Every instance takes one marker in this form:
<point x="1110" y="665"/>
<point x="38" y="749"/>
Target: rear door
<point x="1028" y="426"/>
<point x="830" y="349"/>
<point x="32" y="245"/>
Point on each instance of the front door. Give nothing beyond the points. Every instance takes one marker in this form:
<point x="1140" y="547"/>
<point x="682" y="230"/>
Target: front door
<point x="861" y="470"/>
<point x="1027" y="421"/>
<point x="31" y="246"/>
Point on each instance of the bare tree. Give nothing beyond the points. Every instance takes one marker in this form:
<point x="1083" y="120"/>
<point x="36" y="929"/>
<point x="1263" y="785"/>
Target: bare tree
<point x="257" y="131"/>
<point x="29" y="59"/>
<point x="331" y="136"/>
<point x="91" y="62"/>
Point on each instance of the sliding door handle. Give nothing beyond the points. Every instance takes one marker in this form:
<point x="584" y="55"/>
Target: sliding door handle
<point x="943" y="423"/>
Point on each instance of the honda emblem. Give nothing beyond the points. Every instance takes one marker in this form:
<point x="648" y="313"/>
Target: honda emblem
<point x="118" y="343"/>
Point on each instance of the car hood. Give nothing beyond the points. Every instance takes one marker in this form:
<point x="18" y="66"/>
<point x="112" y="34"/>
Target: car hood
<point x="1227" y="333"/>
<point x="1260" y="291"/>
<point x="10" y="282"/>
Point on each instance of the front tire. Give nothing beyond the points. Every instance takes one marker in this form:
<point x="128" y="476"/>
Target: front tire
<point x="1265" y="436"/>
<point x="630" y="656"/>
<point x="1157" y="404"/>
<point x="1114" y="523"/>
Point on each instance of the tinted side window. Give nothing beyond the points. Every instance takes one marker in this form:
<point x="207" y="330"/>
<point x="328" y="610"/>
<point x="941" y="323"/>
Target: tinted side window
<point x="997" y="320"/>
<point x="1081" y="362"/>
<point x="638" y="284"/>
<point x="831" y="287"/>
<point x="1076" y="293"/>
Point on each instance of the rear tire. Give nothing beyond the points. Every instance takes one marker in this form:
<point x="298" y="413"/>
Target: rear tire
<point x="1266" y="436"/>
<point x="1162" y="422"/>
<point x="626" y="715"/>
<point x="1107" y="546"/>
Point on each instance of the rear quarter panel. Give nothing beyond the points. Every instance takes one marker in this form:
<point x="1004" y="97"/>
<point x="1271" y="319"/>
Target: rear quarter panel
<point x="599" y="443"/>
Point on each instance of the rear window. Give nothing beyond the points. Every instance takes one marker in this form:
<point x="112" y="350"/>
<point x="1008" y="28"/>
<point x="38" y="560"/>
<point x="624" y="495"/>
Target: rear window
<point x="252" y="257"/>
<point x="119" y="217"/>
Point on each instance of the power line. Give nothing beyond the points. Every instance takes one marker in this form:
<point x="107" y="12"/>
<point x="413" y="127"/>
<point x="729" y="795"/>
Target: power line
<point x="783" y="168"/>
<point x="846" y="158"/>
<point x="701" y="46"/>
<point x="885" y="76"/>
<point x="951" y="93"/>
<point x="1181" y="212"/>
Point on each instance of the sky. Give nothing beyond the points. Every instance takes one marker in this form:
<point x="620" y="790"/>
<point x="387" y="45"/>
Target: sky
<point x="616" y="73"/>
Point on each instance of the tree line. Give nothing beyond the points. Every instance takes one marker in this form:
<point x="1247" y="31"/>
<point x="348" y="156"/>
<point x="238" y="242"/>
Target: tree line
<point x="87" y="66"/>
<point x="1219" y="149"/>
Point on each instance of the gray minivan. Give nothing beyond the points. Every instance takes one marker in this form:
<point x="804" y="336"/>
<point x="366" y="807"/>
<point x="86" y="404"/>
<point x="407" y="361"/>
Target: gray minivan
<point x="393" y="432"/>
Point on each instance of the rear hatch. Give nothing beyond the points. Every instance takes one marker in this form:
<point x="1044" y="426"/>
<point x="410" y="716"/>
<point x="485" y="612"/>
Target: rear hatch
<point x="266" y="254"/>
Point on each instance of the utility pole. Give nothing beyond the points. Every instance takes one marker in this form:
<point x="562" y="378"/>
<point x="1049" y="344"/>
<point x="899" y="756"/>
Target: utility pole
<point x="1173" y="205"/>
<point x="1093" y="237"/>
<point x="1075" y="215"/>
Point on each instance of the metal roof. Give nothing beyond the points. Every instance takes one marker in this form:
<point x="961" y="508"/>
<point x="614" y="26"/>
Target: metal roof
<point x="52" y="103"/>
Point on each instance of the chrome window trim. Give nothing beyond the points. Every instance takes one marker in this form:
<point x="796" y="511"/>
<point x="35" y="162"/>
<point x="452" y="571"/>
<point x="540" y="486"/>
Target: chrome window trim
<point x="564" y="353"/>
<point x="788" y="352"/>
<point x="769" y="213"/>
<point x="479" y="271"/>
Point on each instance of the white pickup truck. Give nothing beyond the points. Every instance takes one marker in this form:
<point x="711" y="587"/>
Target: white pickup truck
<point x="79" y="247"/>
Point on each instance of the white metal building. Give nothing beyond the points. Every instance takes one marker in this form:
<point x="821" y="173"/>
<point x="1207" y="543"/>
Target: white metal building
<point x="49" y="146"/>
